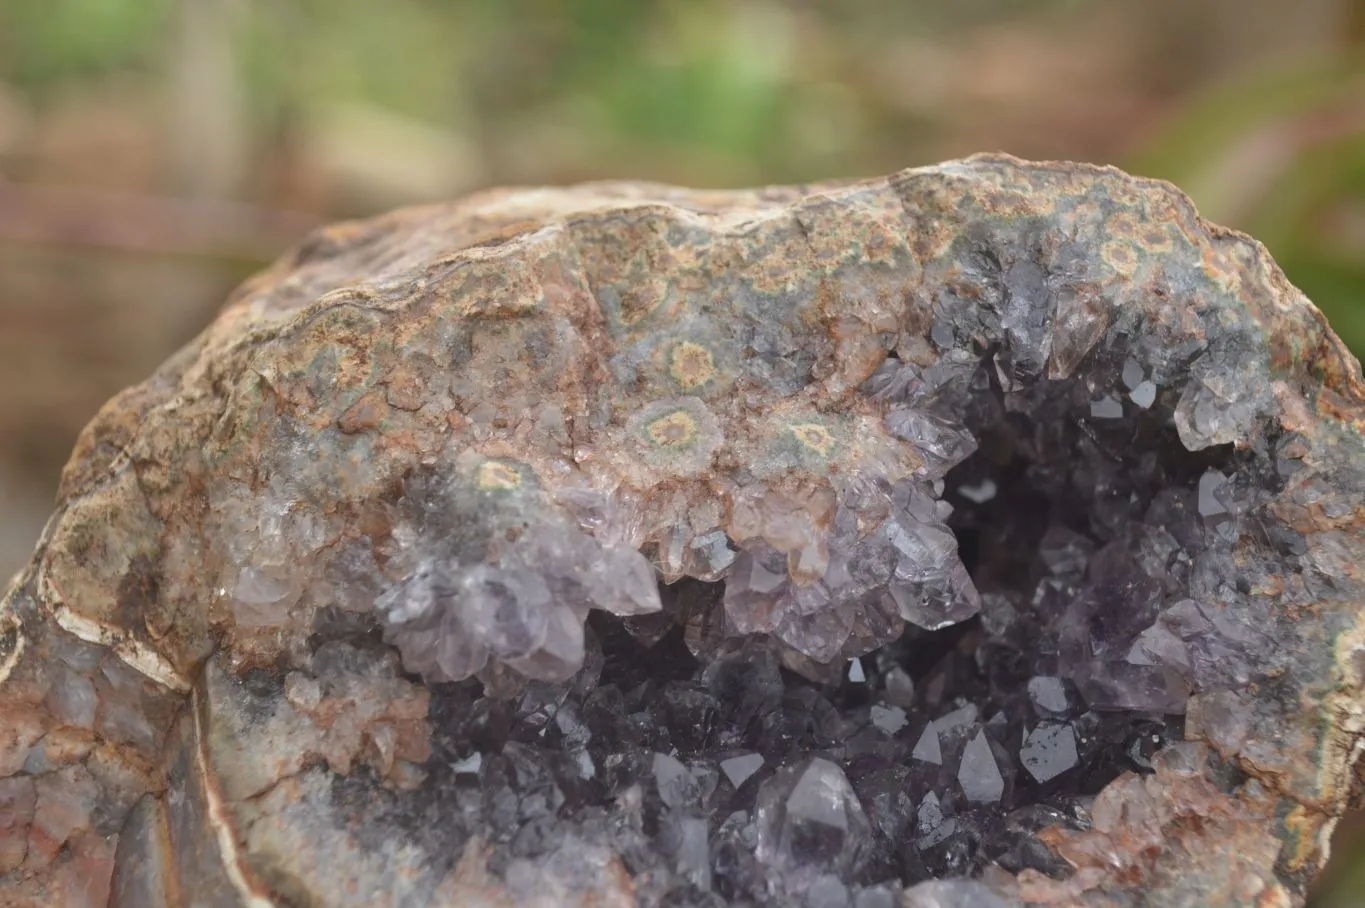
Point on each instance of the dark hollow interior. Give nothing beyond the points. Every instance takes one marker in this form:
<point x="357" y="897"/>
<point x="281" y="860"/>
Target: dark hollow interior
<point x="721" y="776"/>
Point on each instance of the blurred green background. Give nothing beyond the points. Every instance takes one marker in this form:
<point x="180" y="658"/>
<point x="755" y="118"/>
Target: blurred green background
<point x="155" y="152"/>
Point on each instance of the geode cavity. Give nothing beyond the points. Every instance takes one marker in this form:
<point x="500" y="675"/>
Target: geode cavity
<point x="987" y="534"/>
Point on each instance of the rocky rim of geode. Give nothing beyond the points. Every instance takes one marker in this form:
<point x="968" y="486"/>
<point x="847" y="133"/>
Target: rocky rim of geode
<point x="740" y="385"/>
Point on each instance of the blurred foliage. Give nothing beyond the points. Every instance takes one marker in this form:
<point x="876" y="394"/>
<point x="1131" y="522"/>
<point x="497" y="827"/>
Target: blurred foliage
<point x="730" y="92"/>
<point x="46" y="44"/>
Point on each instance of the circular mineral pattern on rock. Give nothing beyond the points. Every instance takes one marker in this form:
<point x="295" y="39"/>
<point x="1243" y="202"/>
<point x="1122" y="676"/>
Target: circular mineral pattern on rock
<point x="675" y="437"/>
<point x="986" y="534"/>
<point x="691" y="365"/>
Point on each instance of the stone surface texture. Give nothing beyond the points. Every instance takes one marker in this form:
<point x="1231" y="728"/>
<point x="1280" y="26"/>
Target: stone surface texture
<point x="986" y="534"/>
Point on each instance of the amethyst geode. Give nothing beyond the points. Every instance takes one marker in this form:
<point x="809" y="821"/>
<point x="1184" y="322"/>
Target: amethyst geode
<point x="985" y="534"/>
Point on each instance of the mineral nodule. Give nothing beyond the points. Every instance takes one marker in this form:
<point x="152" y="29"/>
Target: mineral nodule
<point x="988" y="534"/>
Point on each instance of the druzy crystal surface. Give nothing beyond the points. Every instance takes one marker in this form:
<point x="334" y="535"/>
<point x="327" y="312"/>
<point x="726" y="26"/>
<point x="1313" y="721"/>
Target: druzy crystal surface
<point x="984" y="535"/>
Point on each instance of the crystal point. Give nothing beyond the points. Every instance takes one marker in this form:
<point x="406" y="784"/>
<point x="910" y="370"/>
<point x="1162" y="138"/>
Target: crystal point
<point x="809" y="820"/>
<point x="927" y="748"/>
<point x="739" y="769"/>
<point x="1049" y="750"/>
<point x="978" y="774"/>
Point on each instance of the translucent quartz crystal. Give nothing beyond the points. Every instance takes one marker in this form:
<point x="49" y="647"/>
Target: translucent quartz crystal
<point x="1065" y="551"/>
<point x="1210" y="484"/>
<point x="942" y="445"/>
<point x="457" y="612"/>
<point x="1221" y="402"/>
<point x="952" y="894"/>
<point x="909" y="568"/>
<point x="1133" y="374"/>
<point x="809" y="820"/>
<point x="978" y="494"/>
<point x="676" y="785"/>
<point x="739" y="769"/>
<point x="889" y="719"/>
<point x="1144" y="395"/>
<point x="927" y="748"/>
<point x="690" y="846"/>
<point x="1049" y="750"/>
<point x="930" y="824"/>
<point x="1048" y="694"/>
<point x="1107" y="407"/>
<point x="900" y="688"/>
<point x="978" y="773"/>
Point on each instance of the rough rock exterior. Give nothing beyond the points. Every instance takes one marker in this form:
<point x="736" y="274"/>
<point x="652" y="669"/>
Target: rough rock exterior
<point x="986" y="534"/>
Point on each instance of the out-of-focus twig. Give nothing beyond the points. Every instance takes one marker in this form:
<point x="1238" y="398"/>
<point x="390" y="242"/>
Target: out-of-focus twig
<point x="147" y="225"/>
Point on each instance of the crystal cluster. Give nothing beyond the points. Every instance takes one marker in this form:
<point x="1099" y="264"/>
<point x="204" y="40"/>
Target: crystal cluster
<point x="842" y="544"/>
<point x="735" y="781"/>
<point x="886" y="645"/>
<point x="730" y="761"/>
<point x="491" y="577"/>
